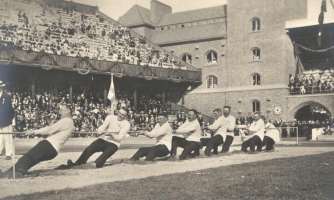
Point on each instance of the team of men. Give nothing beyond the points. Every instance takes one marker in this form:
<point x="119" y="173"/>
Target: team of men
<point x="189" y="136"/>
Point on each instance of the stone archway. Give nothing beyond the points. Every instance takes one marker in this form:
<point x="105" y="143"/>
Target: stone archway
<point x="311" y="110"/>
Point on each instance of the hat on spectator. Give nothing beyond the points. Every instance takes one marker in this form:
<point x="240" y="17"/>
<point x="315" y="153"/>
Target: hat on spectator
<point x="2" y="84"/>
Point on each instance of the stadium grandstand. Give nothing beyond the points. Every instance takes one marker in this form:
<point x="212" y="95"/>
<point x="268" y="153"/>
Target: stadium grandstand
<point x="64" y="52"/>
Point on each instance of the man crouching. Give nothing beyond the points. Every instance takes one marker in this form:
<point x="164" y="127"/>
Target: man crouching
<point x="47" y="149"/>
<point x="163" y="134"/>
<point x="113" y="130"/>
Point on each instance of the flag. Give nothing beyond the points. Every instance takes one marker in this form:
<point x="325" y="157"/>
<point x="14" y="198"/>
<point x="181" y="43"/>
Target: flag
<point x="111" y="94"/>
<point x="299" y="65"/>
<point x="323" y="6"/>
<point x="321" y="17"/>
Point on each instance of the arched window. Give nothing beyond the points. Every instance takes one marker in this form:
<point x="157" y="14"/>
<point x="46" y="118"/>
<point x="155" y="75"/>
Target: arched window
<point x="256" y="106"/>
<point x="256" y="79"/>
<point x="212" y="81"/>
<point x="212" y="57"/>
<point x="256" y="24"/>
<point x="187" y="58"/>
<point x="256" y="53"/>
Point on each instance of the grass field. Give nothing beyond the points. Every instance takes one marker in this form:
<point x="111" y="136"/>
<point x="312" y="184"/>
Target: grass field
<point x="306" y="177"/>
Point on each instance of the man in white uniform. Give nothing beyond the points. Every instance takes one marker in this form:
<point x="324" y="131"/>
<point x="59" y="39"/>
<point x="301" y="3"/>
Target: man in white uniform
<point x="6" y="118"/>
<point x="163" y="134"/>
<point x="255" y="134"/>
<point x="271" y="136"/>
<point x="113" y="130"/>
<point x="47" y="149"/>
<point x="188" y="137"/>
<point x="223" y="128"/>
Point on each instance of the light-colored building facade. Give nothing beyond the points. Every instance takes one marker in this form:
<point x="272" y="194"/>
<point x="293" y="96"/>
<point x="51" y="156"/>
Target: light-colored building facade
<point x="243" y="49"/>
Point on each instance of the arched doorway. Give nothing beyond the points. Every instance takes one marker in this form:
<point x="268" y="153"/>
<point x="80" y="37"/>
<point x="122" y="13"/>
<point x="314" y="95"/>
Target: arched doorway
<point x="313" y="112"/>
<point x="309" y="116"/>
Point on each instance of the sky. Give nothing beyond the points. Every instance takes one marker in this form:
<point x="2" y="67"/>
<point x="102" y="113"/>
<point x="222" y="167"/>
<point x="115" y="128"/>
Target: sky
<point x="116" y="8"/>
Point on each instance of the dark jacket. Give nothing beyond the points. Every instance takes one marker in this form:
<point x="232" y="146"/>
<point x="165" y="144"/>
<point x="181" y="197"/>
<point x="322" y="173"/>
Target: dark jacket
<point x="6" y="111"/>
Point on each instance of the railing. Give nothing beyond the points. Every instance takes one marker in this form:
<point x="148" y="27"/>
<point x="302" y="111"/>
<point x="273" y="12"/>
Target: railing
<point x="310" y="90"/>
<point x="176" y="108"/>
<point x="290" y="131"/>
<point x="74" y="134"/>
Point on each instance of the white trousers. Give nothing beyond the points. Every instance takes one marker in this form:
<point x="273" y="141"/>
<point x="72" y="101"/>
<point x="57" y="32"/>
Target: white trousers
<point x="6" y="141"/>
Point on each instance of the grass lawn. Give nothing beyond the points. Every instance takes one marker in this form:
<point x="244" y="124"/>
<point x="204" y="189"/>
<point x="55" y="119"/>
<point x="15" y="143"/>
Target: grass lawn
<point x="308" y="177"/>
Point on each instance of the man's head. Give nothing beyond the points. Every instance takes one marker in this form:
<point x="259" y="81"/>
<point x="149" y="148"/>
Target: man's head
<point x="226" y="111"/>
<point x="122" y="114"/>
<point x="192" y="115"/>
<point x="162" y="119"/>
<point x="217" y="113"/>
<point x="256" y="116"/>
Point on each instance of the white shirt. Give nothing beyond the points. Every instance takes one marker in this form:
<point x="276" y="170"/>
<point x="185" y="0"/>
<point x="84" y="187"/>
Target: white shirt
<point x="192" y="129"/>
<point x="223" y="126"/>
<point x="258" y="127"/>
<point x="113" y="125"/>
<point x="163" y="134"/>
<point x="272" y="132"/>
<point x="60" y="132"/>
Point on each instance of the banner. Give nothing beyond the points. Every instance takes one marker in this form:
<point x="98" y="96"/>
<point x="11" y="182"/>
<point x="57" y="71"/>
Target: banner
<point x="112" y="94"/>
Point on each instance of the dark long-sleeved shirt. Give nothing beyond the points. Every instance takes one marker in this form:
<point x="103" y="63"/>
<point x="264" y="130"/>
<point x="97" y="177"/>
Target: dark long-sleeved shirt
<point x="6" y="111"/>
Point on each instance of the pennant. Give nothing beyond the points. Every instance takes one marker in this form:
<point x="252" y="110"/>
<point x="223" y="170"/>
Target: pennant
<point x="299" y="65"/>
<point x="111" y="93"/>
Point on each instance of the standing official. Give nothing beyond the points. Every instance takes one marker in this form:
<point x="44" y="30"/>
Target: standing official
<point x="47" y="149"/>
<point x="113" y="130"/>
<point x="163" y="134"/>
<point x="189" y="137"/>
<point x="223" y="128"/>
<point x="255" y="134"/>
<point x="6" y="119"/>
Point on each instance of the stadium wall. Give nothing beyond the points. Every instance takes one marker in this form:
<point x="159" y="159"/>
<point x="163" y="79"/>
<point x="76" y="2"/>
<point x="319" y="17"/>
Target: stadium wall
<point x="198" y="50"/>
<point x="274" y="66"/>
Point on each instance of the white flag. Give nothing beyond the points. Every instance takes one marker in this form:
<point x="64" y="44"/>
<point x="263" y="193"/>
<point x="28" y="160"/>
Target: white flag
<point x="111" y="94"/>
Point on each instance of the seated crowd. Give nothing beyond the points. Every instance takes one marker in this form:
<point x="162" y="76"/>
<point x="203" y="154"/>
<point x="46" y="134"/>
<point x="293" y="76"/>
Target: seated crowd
<point x="36" y="111"/>
<point x="68" y="32"/>
<point x="312" y="82"/>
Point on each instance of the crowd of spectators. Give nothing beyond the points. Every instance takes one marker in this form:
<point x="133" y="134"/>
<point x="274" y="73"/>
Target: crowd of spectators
<point x="312" y="82"/>
<point x="65" y="31"/>
<point x="39" y="110"/>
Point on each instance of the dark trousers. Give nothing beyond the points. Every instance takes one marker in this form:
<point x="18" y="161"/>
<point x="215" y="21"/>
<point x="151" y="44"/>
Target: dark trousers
<point x="150" y="153"/>
<point x="190" y="148"/>
<point x="227" y="143"/>
<point x="177" y="142"/>
<point x="253" y="142"/>
<point x="205" y="142"/>
<point x="269" y="143"/>
<point x="99" y="145"/>
<point x="213" y="143"/>
<point x="43" y="151"/>
<point x="217" y="140"/>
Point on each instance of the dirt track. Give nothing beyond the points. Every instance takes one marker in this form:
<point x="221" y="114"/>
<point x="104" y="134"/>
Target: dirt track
<point x="49" y="179"/>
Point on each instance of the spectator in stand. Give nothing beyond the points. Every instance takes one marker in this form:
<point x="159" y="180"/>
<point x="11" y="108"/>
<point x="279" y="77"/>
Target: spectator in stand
<point x="36" y="111"/>
<point x="312" y="82"/>
<point x="58" y="31"/>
